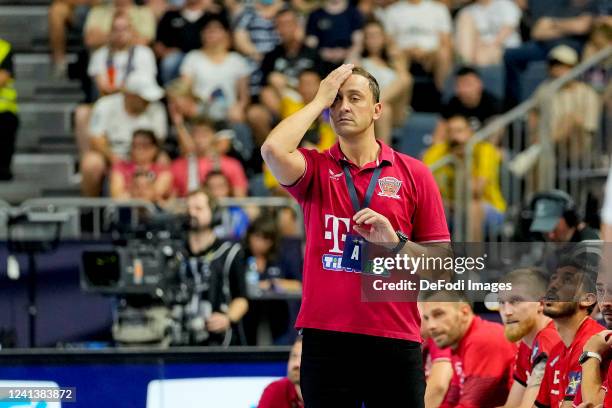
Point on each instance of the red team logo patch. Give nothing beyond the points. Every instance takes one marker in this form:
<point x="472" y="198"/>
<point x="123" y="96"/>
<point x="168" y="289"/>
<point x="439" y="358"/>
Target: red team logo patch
<point x="389" y="186"/>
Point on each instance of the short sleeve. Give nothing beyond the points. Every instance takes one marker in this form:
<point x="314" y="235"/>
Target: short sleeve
<point x="147" y="61"/>
<point x="159" y="121"/>
<point x="429" y="219"/>
<point x="143" y="21"/>
<point x="97" y="63"/>
<point x="244" y="19"/>
<point x="300" y="188"/>
<point x="543" y="399"/>
<point x="241" y="65"/>
<point x="511" y="14"/>
<point x="311" y="24"/>
<point x="99" y="119"/>
<point x="356" y="19"/>
<point x="444" y="19"/>
<point x="189" y="64"/>
<point x="164" y="30"/>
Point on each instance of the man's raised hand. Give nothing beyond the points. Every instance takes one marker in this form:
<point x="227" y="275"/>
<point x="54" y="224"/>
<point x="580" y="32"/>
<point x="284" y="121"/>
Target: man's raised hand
<point x="328" y="88"/>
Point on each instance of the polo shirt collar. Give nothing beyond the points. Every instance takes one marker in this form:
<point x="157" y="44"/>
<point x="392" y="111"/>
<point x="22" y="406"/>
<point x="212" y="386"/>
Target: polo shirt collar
<point x="386" y="155"/>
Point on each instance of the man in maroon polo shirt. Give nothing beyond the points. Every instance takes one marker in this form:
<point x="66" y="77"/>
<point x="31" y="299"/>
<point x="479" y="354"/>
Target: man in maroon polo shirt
<point x="355" y="352"/>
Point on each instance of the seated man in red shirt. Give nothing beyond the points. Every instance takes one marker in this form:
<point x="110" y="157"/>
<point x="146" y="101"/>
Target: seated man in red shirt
<point x="198" y="148"/>
<point x="286" y="393"/>
<point x="569" y="301"/>
<point x="524" y="322"/>
<point x="482" y="357"/>
<point x="441" y="381"/>
<point x="597" y="352"/>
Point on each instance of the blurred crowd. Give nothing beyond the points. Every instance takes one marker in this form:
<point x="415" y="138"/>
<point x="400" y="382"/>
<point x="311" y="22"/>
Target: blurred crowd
<point x="208" y="79"/>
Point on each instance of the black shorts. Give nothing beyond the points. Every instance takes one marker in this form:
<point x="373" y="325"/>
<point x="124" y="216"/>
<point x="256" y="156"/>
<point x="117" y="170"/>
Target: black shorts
<point x="341" y="370"/>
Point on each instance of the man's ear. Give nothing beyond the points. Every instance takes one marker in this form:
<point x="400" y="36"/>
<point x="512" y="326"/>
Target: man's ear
<point x="587" y="300"/>
<point x="377" y="110"/>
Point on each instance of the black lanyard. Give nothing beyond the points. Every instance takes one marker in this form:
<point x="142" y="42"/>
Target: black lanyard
<point x="353" y="192"/>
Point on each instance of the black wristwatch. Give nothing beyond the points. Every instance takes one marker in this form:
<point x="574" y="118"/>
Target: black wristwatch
<point x="403" y="238"/>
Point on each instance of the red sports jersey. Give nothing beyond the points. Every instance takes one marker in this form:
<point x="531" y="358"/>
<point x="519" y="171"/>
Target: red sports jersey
<point x="432" y="353"/>
<point x="608" y="400"/>
<point x="484" y="361"/>
<point x="563" y="372"/>
<point x="604" y="385"/>
<point x="540" y="349"/>
<point x="280" y="394"/>
<point x="406" y="194"/>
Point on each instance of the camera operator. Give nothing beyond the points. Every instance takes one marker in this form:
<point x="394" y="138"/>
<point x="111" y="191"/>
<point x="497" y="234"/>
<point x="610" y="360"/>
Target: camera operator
<point x="218" y="268"/>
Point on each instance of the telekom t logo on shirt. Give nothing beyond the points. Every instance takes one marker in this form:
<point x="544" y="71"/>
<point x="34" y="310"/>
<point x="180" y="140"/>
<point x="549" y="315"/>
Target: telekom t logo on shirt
<point x="335" y="233"/>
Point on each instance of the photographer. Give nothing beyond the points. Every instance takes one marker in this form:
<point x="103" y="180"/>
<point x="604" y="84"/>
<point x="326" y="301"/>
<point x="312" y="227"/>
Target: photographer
<point x="218" y="269"/>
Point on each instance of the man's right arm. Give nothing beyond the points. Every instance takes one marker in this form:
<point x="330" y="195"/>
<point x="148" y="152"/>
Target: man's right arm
<point x="279" y="151"/>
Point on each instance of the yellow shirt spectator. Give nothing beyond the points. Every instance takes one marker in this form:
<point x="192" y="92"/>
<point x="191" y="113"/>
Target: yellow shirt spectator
<point x="487" y="160"/>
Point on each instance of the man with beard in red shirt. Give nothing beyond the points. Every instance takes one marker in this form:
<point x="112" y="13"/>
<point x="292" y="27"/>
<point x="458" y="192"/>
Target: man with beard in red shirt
<point x="597" y="355"/>
<point x="481" y="355"/>
<point x="569" y="301"/>
<point x="524" y="321"/>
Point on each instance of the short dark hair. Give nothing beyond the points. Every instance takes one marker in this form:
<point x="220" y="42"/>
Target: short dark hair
<point x="286" y="10"/>
<point x="467" y="70"/>
<point x="268" y="229"/>
<point x="212" y="203"/>
<point x="203" y="121"/>
<point x="148" y="133"/>
<point x="374" y="87"/>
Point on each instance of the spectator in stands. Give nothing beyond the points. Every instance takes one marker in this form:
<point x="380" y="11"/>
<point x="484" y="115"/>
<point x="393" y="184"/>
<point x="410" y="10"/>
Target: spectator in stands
<point x="232" y="220"/>
<point x="470" y="100"/>
<point x="388" y="66"/>
<point x="335" y="29"/>
<point x="280" y="70"/>
<point x="217" y="76"/>
<point x="286" y="392"/>
<point x="522" y="313"/>
<point x="114" y="119"/>
<point x="320" y="136"/>
<point x="441" y="381"/>
<point x="567" y="22"/>
<point x="220" y="264"/>
<point x="111" y="64"/>
<point x="178" y="32"/>
<point x="201" y="156"/>
<point x="575" y="110"/>
<point x="255" y="35"/>
<point x="109" y="67"/>
<point x="569" y="301"/>
<point x="264" y="254"/>
<point x="141" y="176"/>
<point x="600" y="38"/>
<point x="9" y="121"/>
<point x="597" y="351"/>
<point x="99" y="22"/>
<point x="422" y="30"/>
<point x="374" y="9"/>
<point x="484" y="29"/>
<point x="64" y="14"/>
<point x="487" y="205"/>
<point x="557" y="218"/>
<point x="451" y="323"/>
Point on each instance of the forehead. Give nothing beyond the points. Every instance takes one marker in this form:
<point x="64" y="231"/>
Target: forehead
<point x="355" y="84"/>
<point x="431" y="307"/>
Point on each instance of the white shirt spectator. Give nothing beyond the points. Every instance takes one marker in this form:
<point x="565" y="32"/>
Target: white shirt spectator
<point x="142" y="62"/>
<point x="215" y="83"/>
<point x="490" y="19"/>
<point x="110" y="119"/>
<point x="606" y="210"/>
<point x="417" y="25"/>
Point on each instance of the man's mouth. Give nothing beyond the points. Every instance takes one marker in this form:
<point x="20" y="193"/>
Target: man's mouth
<point x="511" y="322"/>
